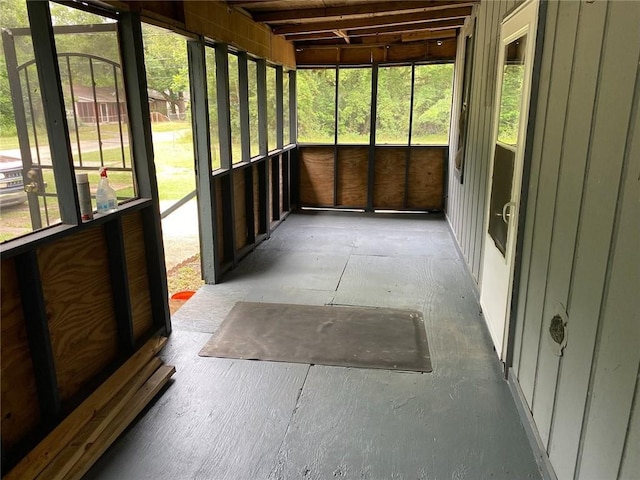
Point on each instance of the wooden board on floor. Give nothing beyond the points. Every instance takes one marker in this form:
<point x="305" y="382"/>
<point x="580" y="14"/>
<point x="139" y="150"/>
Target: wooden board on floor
<point x="389" y="183"/>
<point x="228" y="438"/>
<point x="94" y="450"/>
<point x="82" y="321"/>
<point x="316" y="176"/>
<point x="36" y="460"/>
<point x="20" y="409"/>
<point x="353" y="165"/>
<point x="135" y="251"/>
<point x="426" y="178"/>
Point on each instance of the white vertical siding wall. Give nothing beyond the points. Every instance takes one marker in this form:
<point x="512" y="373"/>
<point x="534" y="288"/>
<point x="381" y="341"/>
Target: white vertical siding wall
<point x="581" y="234"/>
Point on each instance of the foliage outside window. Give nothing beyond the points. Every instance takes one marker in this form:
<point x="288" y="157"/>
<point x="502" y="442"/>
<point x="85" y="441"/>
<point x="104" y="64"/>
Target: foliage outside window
<point x="394" y="105"/>
<point x="210" y="59"/>
<point x="252" y="68"/>
<point x="166" y="65"/>
<point x="354" y="105"/>
<point x="95" y="100"/>
<point x="433" y="85"/>
<point x="316" y="105"/>
<point x="512" y="83"/>
<point x="271" y="108"/>
<point x="234" y="109"/>
<point x="285" y="112"/>
<point x="15" y="216"/>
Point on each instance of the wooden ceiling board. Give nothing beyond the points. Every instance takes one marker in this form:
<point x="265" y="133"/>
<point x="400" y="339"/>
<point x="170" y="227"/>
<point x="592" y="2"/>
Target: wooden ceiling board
<point x="410" y="27"/>
<point x="352" y="11"/>
<point x="368" y="23"/>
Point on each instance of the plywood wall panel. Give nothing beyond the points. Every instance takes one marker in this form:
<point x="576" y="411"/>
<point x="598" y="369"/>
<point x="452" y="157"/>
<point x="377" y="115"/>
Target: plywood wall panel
<point x="256" y="200"/>
<point x="353" y="165"/>
<point x="389" y="183"/>
<point x="79" y="302"/>
<point x="138" y="276"/>
<point x="214" y="19"/>
<point x="19" y="400"/>
<point x="219" y="221"/>
<point x="426" y="178"/>
<point x="240" y="208"/>
<point x="316" y="176"/>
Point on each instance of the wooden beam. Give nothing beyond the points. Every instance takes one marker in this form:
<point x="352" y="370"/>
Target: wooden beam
<point x="343" y="35"/>
<point x="93" y="451"/>
<point x="73" y="451"/>
<point x="367" y="23"/>
<point x="382" y="39"/>
<point x="38" y="458"/>
<point x="330" y="35"/>
<point x="354" y="11"/>
<point x="363" y="54"/>
<point x="428" y="35"/>
<point x="411" y="27"/>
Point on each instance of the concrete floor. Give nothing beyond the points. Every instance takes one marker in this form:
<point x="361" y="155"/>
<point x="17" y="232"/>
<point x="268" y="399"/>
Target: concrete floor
<point x="245" y="420"/>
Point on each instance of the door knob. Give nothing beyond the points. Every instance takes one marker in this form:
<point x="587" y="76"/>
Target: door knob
<point x="506" y="212"/>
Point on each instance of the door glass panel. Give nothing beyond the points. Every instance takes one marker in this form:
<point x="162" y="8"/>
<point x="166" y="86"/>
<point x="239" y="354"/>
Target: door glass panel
<point x="506" y="147"/>
<point x="28" y="199"/>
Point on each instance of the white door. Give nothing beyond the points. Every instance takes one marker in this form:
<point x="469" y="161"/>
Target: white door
<point x="513" y="88"/>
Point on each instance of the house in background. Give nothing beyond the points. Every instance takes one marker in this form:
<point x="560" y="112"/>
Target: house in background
<point x="99" y="104"/>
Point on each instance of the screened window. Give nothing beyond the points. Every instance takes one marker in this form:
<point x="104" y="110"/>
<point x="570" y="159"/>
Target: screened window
<point x="210" y="59"/>
<point x="433" y="85"/>
<point x="94" y="98"/>
<point x="285" y="112"/>
<point x="253" y="108"/>
<point x="394" y="105"/>
<point x="234" y="109"/>
<point x="316" y="105"/>
<point x="354" y="105"/>
<point x="24" y="145"/>
<point x="271" y="108"/>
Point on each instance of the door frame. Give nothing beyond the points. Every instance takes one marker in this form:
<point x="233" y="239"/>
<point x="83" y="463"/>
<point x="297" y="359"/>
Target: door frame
<point x="507" y="354"/>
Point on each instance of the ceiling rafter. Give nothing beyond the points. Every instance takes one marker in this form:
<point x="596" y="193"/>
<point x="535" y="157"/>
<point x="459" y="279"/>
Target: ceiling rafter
<point x="409" y="27"/>
<point x="355" y="11"/>
<point x="367" y="23"/>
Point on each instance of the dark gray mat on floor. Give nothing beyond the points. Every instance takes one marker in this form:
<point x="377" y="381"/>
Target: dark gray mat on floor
<point x="323" y="335"/>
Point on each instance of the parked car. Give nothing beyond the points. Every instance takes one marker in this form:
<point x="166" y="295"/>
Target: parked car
<point x="11" y="183"/>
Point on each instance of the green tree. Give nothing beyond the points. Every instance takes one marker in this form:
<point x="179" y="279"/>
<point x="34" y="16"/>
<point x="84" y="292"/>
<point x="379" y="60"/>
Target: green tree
<point x="165" y="59"/>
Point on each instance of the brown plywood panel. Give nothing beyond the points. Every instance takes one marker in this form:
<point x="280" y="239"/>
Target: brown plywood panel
<point x="137" y="274"/>
<point x="20" y="410"/>
<point x="77" y="290"/>
<point x="256" y="200"/>
<point x="216" y="20"/>
<point x="317" y="56"/>
<point x="362" y="55"/>
<point x="219" y="223"/>
<point x="388" y="185"/>
<point x="281" y="160"/>
<point x="240" y="208"/>
<point x="353" y="167"/>
<point x="426" y="178"/>
<point x="316" y="176"/>
<point x="269" y="190"/>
